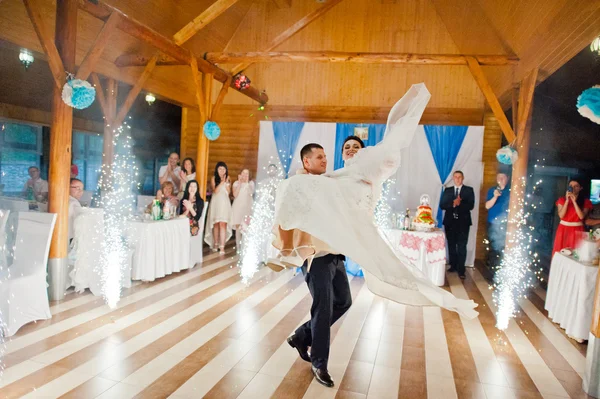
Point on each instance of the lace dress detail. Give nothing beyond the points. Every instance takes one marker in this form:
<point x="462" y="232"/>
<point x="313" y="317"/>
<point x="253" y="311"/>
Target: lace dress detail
<point x="336" y="209"/>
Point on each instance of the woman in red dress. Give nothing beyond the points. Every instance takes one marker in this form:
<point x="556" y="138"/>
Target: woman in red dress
<point x="572" y="211"/>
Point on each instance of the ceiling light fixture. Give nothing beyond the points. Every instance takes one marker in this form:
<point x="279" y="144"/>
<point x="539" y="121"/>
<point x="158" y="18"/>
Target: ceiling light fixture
<point x="26" y="58"/>
<point x="595" y="46"/>
<point x="150" y="98"/>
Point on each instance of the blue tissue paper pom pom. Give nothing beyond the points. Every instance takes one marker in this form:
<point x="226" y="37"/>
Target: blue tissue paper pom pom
<point x="507" y="155"/>
<point x="588" y="104"/>
<point x="212" y="131"/>
<point x="78" y="94"/>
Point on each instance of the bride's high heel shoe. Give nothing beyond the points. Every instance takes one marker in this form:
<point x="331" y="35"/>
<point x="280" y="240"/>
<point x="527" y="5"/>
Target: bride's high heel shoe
<point x="276" y="264"/>
<point x="292" y="260"/>
<point x="295" y="260"/>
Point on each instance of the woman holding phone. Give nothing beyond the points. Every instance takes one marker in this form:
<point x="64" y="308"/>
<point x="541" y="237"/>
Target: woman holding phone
<point x="573" y="208"/>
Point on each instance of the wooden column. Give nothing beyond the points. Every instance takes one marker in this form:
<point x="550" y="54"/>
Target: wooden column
<point x="519" y="171"/>
<point x="108" y="149"/>
<point x="61" y="131"/>
<point x="202" y="168"/>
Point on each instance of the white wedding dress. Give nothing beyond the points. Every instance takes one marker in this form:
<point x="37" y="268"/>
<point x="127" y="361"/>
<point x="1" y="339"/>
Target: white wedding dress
<point x="337" y="209"/>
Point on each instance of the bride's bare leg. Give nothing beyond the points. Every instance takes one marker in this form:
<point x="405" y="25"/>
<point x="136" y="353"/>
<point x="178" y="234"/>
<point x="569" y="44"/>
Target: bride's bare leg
<point x="287" y="240"/>
<point x="304" y="244"/>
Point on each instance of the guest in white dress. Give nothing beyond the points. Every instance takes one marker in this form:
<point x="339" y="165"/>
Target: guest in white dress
<point x="187" y="174"/>
<point x="218" y="228"/>
<point x="243" y="190"/>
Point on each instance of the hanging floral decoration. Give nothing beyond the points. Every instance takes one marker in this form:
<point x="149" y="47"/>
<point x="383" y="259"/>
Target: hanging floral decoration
<point x="78" y="93"/>
<point x="588" y="103"/>
<point x="507" y="155"/>
<point x="212" y="131"/>
<point x="241" y="81"/>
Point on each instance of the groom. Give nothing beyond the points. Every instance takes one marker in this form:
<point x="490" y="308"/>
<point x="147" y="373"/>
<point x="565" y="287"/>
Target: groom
<point x="328" y="285"/>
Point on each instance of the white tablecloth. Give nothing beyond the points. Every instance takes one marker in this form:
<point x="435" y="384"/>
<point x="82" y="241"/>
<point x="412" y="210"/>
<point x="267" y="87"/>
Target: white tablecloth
<point x="161" y="248"/>
<point x="570" y="296"/>
<point x="427" y="250"/>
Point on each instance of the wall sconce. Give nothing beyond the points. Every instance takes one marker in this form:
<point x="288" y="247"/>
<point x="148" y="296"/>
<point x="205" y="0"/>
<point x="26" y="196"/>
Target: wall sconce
<point x="150" y="98"/>
<point x="595" y="46"/>
<point x="26" y="58"/>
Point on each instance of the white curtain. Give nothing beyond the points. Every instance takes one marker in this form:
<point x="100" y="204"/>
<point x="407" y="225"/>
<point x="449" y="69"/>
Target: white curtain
<point x="313" y="132"/>
<point x="418" y="175"/>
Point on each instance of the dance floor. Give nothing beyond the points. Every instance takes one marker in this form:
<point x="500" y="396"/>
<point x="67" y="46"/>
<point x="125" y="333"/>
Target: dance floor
<point x="202" y="333"/>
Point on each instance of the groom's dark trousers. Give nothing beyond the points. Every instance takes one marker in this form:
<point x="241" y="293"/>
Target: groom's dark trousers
<point x="328" y="285"/>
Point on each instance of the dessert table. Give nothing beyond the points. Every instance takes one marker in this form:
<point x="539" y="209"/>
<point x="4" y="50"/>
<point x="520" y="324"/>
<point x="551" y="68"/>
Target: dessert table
<point x="427" y="250"/>
<point x="570" y="295"/>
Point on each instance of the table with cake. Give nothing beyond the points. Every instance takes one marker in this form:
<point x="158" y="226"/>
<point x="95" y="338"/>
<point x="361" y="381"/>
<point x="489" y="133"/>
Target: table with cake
<point x="423" y="243"/>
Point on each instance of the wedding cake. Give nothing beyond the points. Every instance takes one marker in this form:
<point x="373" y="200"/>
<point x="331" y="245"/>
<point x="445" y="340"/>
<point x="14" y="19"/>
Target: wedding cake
<point x="423" y="220"/>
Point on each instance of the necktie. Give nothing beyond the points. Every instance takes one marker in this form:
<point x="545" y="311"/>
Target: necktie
<point x="456" y="193"/>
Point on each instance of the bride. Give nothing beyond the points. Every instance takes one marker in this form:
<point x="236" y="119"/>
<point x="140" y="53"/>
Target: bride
<point x="333" y="213"/>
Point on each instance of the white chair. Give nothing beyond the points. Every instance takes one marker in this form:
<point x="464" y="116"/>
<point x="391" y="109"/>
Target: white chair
<point x="197" y="241"/>
<point x="24" y="294"/>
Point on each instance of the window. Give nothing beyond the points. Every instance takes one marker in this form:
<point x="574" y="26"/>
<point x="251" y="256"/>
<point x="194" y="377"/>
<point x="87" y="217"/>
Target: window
<point x="20" y="148"/>
<point x="87" y="155"/>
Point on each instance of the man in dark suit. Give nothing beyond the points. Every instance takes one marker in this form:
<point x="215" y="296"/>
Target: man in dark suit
<point x="328" y="284"/>
<point x="458" y="202"/>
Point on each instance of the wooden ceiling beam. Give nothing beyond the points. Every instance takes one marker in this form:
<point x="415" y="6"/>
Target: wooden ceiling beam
<point x="196" y="78"/>
<point x="137" y="60"/>
<point x="47" y="41"/>
<point x="127" y="60"/>
<point x="133" y="93"/>
<point x="207" y="16"/>
<point x="164" y="44"/>
<point x="491" y="98"/>
<point x="359" y="58"/>
<point x="526" y="100"/>
<point x="219" y="103"/>
<point x="93" y="55"/>
<point x="292" y="30"/>
<point x="100" y="95"/>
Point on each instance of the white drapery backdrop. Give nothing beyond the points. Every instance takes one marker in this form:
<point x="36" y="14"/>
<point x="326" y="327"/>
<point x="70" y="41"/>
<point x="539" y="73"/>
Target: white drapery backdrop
<point x="417" y="174"/>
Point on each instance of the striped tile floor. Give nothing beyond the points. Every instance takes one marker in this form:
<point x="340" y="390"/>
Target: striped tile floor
<point x="202" y="333"/>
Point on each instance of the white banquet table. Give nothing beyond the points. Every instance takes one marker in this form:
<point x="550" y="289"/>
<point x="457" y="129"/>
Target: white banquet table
<point x="427" y="251"/>
<point x="570" y="295"/>
<point x="161" y="248"/>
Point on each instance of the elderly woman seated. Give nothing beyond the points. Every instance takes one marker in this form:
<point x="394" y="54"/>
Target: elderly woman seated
<point x="165" y="194"/>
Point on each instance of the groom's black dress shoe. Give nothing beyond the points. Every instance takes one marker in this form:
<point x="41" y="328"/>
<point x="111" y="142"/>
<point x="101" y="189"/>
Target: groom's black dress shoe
<point x="302" y="349"/>
<point x="451" y="270"/>
<point x="322" y="376"/>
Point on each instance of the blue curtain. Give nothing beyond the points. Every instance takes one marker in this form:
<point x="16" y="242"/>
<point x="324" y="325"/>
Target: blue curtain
<point x="445" y="143"/>
<point x="286" y="136"/>
<point x="343" y="130"/>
